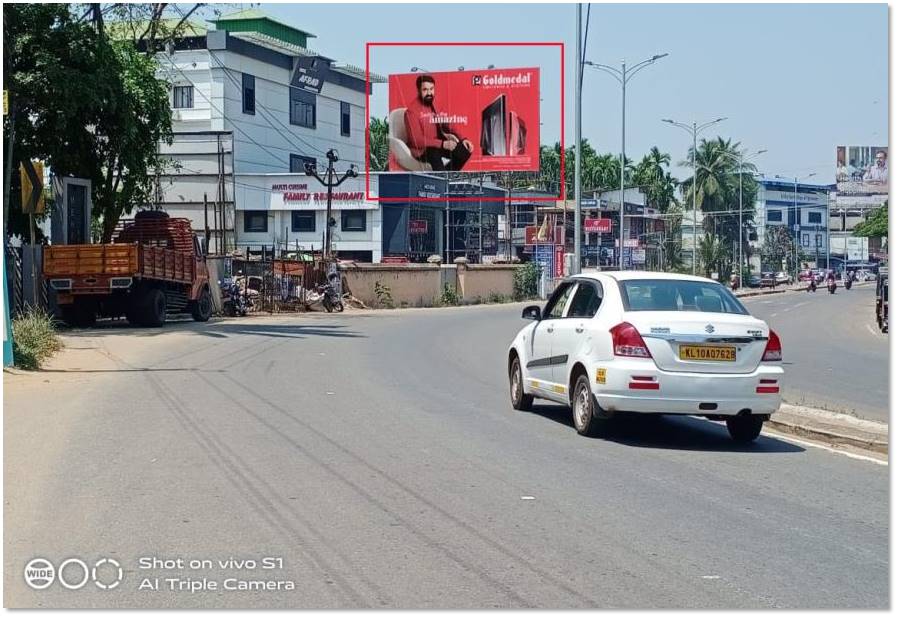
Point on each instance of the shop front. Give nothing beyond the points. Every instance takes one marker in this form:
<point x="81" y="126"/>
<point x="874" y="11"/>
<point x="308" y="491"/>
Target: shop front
<point x="413" y="216"/>
<point x="289" y="212"/>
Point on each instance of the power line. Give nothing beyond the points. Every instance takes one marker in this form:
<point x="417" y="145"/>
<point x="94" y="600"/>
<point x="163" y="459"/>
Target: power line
<point x="263" y="108"/>
<point x="217" y="109"/>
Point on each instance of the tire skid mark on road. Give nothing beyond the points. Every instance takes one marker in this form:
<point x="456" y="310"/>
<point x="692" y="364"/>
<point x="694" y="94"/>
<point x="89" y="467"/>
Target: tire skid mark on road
<point x="261" y="500"/>
<point x="434" y="543"/>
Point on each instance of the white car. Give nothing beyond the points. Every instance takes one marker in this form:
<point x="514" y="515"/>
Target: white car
<point x="652" y="343"/>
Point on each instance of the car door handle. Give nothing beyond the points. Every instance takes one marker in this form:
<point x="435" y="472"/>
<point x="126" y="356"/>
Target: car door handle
<point x="550" y="329"/>
<point x="579" y="329"/>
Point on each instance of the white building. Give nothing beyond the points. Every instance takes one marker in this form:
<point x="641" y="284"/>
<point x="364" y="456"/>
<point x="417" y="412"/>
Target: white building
<point x="802" y="207"/>
<point x="290" y="210"/>
<point x="250" y="98"/>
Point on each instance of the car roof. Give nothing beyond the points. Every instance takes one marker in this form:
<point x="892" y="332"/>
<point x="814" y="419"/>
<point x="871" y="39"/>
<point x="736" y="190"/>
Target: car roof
<point x="634" y="275"/>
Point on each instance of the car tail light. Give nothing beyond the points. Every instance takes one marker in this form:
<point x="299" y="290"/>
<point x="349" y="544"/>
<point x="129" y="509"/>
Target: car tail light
<point x="628" y="342"/>
<point x="773" y="351"/>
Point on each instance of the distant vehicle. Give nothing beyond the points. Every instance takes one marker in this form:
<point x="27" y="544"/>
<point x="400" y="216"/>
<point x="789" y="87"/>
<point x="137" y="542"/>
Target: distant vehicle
<point x="819" y="274"/>
<point x="864" y="275"/>
<point x="805" y="276"/>
<point x="153" y="266"/>
<point x="767" y="279"/>
<point x="881" y="299"/>
<point x="647" y="343"/>
<point x="754" y="281"/>
<point x="783" y="278"/>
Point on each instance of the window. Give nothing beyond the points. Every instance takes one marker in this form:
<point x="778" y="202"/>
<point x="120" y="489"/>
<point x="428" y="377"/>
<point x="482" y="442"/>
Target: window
<point x="676" y="295"/>
<point x="354" y="220"/>
<point x="248" y="94"/>
<point x="555" y="307"/>
<point x="805" y="240"/>
<point x="586" y="300"/>
<point x="255" y="221"/>
<point x="303" y="221"/>
<point x="297" y="163"/>
<point x="183" y="97"/>
<point x="814" y="218"/>
<point x="302" y="108"/>
<point x="818" y="239"/>
<point x="345" y="119"/>
<point x="774" y="216"/>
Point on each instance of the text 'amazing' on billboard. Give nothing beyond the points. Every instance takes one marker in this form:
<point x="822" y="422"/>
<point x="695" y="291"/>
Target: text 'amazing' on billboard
<point x="862" y="169"/>
<point x="486" y="120"/>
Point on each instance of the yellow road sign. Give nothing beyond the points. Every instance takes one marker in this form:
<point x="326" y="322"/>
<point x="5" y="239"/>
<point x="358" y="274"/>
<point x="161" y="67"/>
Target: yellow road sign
<point x="32" y="176"/>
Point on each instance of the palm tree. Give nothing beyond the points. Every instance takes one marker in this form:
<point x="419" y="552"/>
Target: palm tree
<point x="379" y="154"/>
<point x="717" y="188"/>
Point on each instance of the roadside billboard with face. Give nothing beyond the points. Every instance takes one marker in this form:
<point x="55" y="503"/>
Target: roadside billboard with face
<point x="862" y="169"/>
<point x="481" y="120"/>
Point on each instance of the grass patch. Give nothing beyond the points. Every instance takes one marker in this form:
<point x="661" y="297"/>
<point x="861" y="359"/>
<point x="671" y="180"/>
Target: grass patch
<point x="34" y="340"/>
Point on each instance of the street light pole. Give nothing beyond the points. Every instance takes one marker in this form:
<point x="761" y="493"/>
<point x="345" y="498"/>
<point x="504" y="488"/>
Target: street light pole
<point x="623" y="75"/>
<point x="796" y="220"/>
<point x="694" y="129"/>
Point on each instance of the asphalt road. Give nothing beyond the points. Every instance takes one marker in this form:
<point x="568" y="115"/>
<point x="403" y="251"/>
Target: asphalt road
<point x="377" y="455"/>
<point x="835" y="356"/>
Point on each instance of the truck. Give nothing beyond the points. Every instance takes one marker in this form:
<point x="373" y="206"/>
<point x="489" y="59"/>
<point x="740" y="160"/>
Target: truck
<point x="154" y="266"/>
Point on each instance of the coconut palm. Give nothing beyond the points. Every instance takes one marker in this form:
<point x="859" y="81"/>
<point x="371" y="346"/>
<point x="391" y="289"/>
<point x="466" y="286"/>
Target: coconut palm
<point x="717" y="189"/>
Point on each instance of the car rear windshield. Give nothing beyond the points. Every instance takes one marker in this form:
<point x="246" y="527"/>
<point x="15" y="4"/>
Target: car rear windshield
<point x="676" y="295"/>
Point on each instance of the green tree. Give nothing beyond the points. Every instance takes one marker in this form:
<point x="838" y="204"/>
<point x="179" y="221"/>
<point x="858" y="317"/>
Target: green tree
<point x="876" y="226"/>
<point x="716" y="190"/>
<point x="714" y="256"/>
<point x="90" y="105"/>
<point x="778" y="245"/>
<point x="379" y="144"/>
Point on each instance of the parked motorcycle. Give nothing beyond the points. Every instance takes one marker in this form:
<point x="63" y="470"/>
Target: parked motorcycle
<point x="233" y="300"/>
<point x="330" y="299"/>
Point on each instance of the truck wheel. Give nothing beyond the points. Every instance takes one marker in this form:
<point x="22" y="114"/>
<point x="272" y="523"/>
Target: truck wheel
<point x="202" y="306"/>
<point x="153" y="314"/>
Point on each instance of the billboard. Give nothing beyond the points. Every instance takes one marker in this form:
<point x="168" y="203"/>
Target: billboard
<point x="480" y="120"/>
<point x="861" y="170"/>
<point x="596" y="225"/>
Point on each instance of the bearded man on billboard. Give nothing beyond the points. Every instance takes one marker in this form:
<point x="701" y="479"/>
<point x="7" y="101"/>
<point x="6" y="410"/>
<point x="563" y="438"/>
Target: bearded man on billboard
<point x="429" y="139"/>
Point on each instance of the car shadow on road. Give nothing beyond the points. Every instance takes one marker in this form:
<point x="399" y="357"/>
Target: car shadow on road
<point x="671" y="433"/>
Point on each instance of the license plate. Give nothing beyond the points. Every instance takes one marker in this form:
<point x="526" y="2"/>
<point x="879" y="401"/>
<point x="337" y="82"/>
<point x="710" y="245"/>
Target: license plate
<point x="709" y="353"/>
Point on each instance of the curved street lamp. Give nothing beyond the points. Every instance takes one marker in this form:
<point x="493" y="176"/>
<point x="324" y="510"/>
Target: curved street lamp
<point x="623" y="75"/>
<point x="694" y="128"/>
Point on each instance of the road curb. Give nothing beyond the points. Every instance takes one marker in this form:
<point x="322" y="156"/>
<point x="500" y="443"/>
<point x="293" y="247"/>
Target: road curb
<point x="830" y="427"/>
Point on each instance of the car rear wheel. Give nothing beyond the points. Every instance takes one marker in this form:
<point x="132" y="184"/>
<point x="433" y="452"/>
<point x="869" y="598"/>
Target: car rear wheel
<point x="519" y="399"/>
<point x="744" y="429"/>
<point x="588" y="418"/>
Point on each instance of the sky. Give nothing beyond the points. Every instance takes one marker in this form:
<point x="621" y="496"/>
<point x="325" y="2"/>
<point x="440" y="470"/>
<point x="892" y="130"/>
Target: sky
<point x="793" y="79"/>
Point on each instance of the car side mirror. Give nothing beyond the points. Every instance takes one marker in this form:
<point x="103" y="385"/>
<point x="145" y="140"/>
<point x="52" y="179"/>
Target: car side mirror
<point x="532" y="312"/>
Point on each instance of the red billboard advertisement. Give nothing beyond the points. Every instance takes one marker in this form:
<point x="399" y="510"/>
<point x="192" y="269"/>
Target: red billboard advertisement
<point x="480" y="120"/>
<point x="599" y="226"/>
<point x="417" y="226"/>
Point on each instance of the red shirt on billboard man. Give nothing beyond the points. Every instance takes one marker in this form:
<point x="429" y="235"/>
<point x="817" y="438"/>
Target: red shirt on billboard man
<point x="430" y="140"/>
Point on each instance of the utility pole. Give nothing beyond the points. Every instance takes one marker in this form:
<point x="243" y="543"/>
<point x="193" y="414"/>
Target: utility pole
<point x="332" y="157"/>
<point x="577" y="173"/>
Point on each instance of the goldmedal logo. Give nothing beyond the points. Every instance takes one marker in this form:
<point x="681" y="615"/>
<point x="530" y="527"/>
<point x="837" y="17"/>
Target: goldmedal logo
<point x="501" y="79"/>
